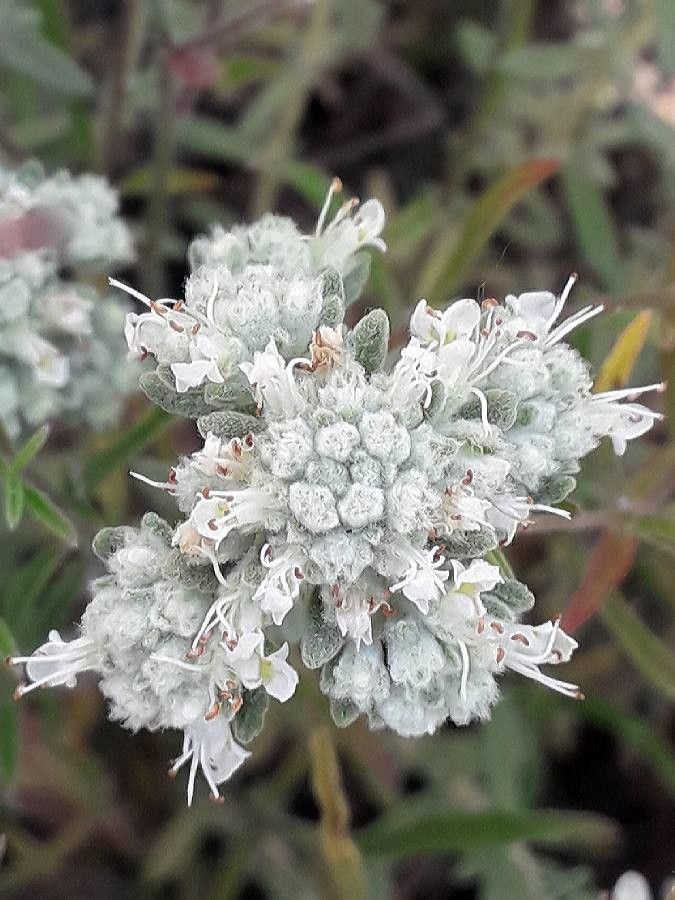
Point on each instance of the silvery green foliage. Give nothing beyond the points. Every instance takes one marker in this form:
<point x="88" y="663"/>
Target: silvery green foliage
<point x="61" y="355"/>
<point x="337" y="500"/>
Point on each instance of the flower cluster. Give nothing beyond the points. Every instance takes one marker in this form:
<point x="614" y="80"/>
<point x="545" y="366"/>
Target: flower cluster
<point x="353" y="504"/>
<point x="61" y="352"/>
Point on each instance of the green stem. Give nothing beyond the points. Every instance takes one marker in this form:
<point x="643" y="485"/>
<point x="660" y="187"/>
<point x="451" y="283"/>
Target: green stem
<point x="158" y="211"/>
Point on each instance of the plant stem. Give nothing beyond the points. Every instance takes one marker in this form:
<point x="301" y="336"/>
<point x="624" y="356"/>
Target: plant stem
<point x="342" y="856"/>
<point x="158" y="211"/>
<point x="127" y="40"/>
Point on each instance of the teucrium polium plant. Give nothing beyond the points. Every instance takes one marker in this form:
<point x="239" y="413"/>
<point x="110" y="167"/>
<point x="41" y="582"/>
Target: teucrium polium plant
<point x="61" y="351"/>
<point x="335" y="497"/>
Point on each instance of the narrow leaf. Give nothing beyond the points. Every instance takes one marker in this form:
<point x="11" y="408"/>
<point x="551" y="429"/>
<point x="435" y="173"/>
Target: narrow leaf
<point x="609" y="563"/>
<point x="29" y="450"/>
<point x="657" y="531"/>
<point x="15" y="500"/>
<point x="125" y="447"/>
<point x="7" y="642"/>
<point x="445" y="270"/>
<point x="647" y="652"/>
<point x="459" y="831"/>
<point x="593" y="226"/>
<point x="48" y="513"/>
<point x="9" y="735"/>
<point x="23" y="49"/>
<point x="617" y="367"/>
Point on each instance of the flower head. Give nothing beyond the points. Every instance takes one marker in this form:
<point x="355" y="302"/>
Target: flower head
<point x="337" y="499"/>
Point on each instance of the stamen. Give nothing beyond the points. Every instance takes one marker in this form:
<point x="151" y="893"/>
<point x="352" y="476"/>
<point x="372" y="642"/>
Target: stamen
<point x="334" y="188"/>
<point x="465" y="670"/>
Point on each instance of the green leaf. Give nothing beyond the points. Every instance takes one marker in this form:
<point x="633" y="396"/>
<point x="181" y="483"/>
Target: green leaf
<point x="370" y="340"/>
<point x="647" y="652"/>
<point x="7" y="642"/>
<point x="665" y="35"/>
<point x="191" y="403"/>
<point x="476" y="45"/>
<point x="125" y="447"/>
<point x="227" y="425"/>
<point x="23" y="49"/>
<point x="498" y="558"/>
<point x="48" y="513"/>
<point x="640" y="736"/>
<point x="249" y="721"/>
<point x="321" y="640"/>
<point x="656" y="530"/>
<point x="26" y="453"/>
<point x="593" y="227"/>
<point x="458" y="831"/>
<point x="15" y="500"/>
<point x="540" y="62"/>
<point x="211" y="139"/>
<point x="9" y="734"/>
<point x="451" y="259"/>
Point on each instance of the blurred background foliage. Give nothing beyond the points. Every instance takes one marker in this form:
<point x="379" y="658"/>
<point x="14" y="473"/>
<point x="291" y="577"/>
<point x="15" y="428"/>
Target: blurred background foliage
<point x="510" y="141"/>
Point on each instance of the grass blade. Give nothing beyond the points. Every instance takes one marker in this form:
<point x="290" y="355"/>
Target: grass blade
<point x="444" y="271"/>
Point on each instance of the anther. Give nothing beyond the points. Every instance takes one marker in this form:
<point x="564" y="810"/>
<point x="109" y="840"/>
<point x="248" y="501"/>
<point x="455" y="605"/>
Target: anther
<point x="248" y="440"/>
<point x="212" y="524"/>
<point x="213" y="712"/>
<point x="501" y="653"/>
<point x="520" y="638"/>
<point x="176" y="326"/>
<point x="529" y="335"/>
<point x="299" y="574"/>
<point x="480" y="628"/>
<point x="496" y="626"/>
<point x="195" y="328"/>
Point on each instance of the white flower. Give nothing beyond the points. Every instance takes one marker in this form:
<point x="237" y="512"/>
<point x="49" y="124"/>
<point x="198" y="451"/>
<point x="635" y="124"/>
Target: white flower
<point x="248" y="661"/>
<point x="459" y="321"/>
<point x="352" y="228"/>
<point x="192" y="374"/>
<point x="605" y="414"/>
<point x="281" y="585"/>
<point x="209" y="746"/>
<point x="57" y="662"/>
<point x="423" y="579"/>
<point x="274" y="382"/>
